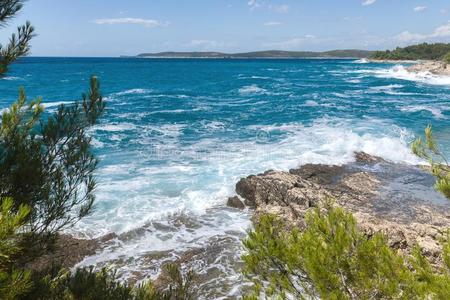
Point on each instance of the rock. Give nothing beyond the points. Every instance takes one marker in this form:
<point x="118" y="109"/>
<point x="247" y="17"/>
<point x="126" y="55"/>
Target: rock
<point x="235" y="202"/>
<point x="434" y="67"/>
<point x="357" y="189"/>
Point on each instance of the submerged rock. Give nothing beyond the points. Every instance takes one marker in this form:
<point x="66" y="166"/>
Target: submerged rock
<point x="383" y="197"/>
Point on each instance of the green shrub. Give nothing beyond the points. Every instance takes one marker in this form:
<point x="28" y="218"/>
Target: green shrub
<point x="439" y="166"/>
<point x="13" y="282"/>
<point x="90" y="284"/>
<point x="333" y="259"/>
<point x="446" y="58"/>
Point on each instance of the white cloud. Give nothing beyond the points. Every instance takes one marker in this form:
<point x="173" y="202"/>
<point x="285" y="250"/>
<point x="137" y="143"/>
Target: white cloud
<point x="273" y="23"/>
<point x="253" y="4"/>
<point x="290" y="44"/>
<point x="278" y="8"/>
<point x="368" y="2"/>
<point x="207" y="45"/>
<point x="138" y="21"/>
<point x="419" y="8"/>
<point x="282" y="9"/>
<point x="439" y="32"/>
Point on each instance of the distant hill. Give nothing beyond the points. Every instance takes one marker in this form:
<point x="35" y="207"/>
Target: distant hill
<point x="263" y="54"/>
<point x="423" y="51"/>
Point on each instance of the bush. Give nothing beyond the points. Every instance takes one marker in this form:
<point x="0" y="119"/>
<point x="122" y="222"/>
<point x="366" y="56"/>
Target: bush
<point x="333" y="259"/>
<point x="13" y="282"/>
<point x="439" y="166"/>
<point x="89" y="284"/>
<point x="446" y="58"/>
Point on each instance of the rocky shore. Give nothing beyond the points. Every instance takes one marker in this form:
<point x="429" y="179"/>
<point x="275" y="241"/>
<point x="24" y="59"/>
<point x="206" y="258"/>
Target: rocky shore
<point x="397" y="200"/>
<point x="434" y="67"/>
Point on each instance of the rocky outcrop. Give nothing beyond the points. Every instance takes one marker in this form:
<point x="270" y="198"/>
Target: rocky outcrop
<point x="378" y="193"/>
<point x="434" y="67"/>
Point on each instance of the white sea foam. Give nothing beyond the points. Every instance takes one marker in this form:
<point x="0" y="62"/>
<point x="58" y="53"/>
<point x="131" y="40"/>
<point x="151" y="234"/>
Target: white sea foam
<point x="133" y="92"/>
<point x="400" y="72"/>
<point x="311" y="103"/>
<point x="56" y="104"/>
<point x="115" y="127"/>
<point x="361" y="61"/>
<point x="251" y="89"/>
<point x="11" y="78"/>
<point x="437" y="112"/>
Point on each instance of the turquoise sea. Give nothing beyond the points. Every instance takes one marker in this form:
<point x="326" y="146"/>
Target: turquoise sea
<point x="178" y="134"/>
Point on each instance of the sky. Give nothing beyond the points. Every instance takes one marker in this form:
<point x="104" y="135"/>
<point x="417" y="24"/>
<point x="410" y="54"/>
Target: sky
<point x="130" y="27"/>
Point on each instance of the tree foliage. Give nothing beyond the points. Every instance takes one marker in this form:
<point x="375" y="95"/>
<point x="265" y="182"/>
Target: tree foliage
<point x="333" y="259"/>
<point x="13" y="282"/>
<point x="90" y="284"/>
<point x="429" y="150"/>
<point x="18" y="44"/>
<point x="447" y="58"/>
<point x="425" y="51"/>
<point x="46" y="162"/>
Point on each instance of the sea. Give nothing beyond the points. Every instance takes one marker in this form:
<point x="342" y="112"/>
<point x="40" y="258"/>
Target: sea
<point x="177" y="135"/>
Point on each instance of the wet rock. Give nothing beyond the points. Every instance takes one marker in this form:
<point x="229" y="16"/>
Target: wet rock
<point x="235" y="202"/>
<point x="434" y="67"/>
<point x="357" y="189"/>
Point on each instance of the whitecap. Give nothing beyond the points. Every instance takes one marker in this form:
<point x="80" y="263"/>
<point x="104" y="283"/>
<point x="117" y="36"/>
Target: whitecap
<point x="311" y="103"/>
<point x="436" y="112"/>
<point x="251" y="89"/>
<point x="361" y="61"/>
<point x="133" y="92"/>
<point x="400" y="72"/>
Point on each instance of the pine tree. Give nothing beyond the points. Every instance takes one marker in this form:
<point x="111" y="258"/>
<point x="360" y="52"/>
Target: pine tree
<point x="13" y="282"/>
<point x="18" y="44"/>
<point x="333" y="259"/>
<point x="46" y="161"/>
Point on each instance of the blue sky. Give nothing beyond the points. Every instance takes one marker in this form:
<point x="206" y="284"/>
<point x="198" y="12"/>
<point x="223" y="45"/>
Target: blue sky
<point x="128" y="27"/>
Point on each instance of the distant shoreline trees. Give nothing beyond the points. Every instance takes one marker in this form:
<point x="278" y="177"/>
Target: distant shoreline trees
<point x="422" y="51"/>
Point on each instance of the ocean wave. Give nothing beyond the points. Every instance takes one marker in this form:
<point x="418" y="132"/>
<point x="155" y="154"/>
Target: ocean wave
<point x="112" y="127"/>
<point x="436" y="112"/>
<point x="133" y="92"/>
<point x="11" y="78"/>
<point x="48" y="105"/>
<point x="400" y="72"/>
<point x="361" y="61"/>
<point x="251" y="89"/>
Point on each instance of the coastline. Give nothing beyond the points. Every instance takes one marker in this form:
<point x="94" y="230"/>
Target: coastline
<point x="395" y="199"/>
<point x="438" y="68"/>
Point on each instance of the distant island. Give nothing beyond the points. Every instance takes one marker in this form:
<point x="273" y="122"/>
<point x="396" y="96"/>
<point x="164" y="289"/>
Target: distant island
<point x="263" y="54"/>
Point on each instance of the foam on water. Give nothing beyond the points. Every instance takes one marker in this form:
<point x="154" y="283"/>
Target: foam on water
<point x="251" y="89"/>
<point x="400" y="72"/>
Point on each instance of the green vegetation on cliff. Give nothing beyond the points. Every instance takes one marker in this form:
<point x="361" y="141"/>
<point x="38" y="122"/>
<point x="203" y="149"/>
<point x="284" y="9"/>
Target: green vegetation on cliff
<point x="423" y="51"/>
<point x="333" y="259"/>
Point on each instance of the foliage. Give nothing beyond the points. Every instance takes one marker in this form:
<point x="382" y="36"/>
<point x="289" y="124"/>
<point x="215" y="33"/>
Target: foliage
<point x="47" y="163"/>
<point x="447" y="58"/>
<point x="429" y="150"/>
<point x="89" y="284"/>
<point x="13" y="282"/>
<point x="18" y="44"/>
<point x="333" y="259"/>
<point x="422" y="51"/>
